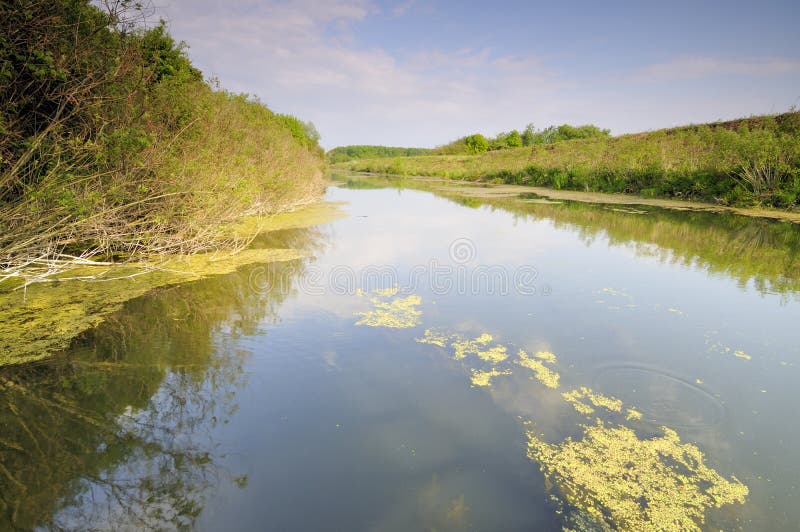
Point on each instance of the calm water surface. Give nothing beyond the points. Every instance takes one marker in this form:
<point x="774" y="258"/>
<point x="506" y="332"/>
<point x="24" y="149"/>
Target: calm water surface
<point x="254" y="401"/>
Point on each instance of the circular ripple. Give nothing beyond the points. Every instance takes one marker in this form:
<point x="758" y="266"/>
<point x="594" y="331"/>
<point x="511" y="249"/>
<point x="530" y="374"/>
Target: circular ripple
<point x="662" y="398"/>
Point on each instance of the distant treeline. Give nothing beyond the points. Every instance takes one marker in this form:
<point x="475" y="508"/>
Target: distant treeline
<point x="750" y="161"/>
<point x="475" y="143"/>
<point x="530" y="136"/>
<point x="349" y="153"/>
<point x="112" y="142"/>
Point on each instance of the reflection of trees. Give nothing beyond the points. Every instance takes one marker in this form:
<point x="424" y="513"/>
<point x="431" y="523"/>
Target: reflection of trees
<point x="120" y="427"/>
<point x="743" y="248"/>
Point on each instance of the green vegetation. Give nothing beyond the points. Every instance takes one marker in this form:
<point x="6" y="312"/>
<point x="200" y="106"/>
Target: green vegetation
<point x="530" y="136"/>
<point x="113" y="145"/>
<point x="349" y="153"/>
<point x="745" y="162"/>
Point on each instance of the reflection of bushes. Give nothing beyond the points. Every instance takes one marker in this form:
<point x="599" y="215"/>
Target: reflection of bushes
<point x="744" y="248"/>
<point x="110" y="429"/>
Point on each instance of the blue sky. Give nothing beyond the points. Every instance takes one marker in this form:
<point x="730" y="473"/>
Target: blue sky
<point x="414" y="73"/>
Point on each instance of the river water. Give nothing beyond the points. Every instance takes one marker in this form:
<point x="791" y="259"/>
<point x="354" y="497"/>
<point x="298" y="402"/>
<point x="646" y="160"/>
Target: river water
<point x="379" y="384"/>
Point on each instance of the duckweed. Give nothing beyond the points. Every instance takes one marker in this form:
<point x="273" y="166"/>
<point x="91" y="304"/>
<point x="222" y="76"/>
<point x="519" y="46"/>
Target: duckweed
<point x="543" y="374"/>
<point x="576" y="399"/>
<point x="434" y="337"/>
<point x="465" y="346"/>
<point x="399" y="313"/>
<point x="546" y="356"/>
<point x="633" y="415"/>
<point x="627" y="483"/>
<point x="483" y="378"/>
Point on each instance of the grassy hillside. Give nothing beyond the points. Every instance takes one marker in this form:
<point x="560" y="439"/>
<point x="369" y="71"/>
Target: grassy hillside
<point x="743" y="162"/>
<point x="111" y="142"/>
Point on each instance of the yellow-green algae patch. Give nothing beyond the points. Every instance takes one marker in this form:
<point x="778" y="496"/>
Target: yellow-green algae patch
<point x="494" y="355"/>
<point x="543" y="374"/>
<point x="546" y="356"/>
<point x="623" y="482"/>
<point x="465" y="346"/>
<point x="633" y="415"/>
<point x="397" y="313"/>
<point x="581" y="397"/>
<point x="434" y="337"/>
<point x="46" y="317"/>
<point x="483" y="378"/>
<point x="742" y="354"/>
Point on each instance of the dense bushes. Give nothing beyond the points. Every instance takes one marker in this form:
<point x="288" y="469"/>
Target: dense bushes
<point x="112" y="142"/>
<point x="743" y="162"/>
<point x="348" y="153"/>
<point x="477" y="143"/>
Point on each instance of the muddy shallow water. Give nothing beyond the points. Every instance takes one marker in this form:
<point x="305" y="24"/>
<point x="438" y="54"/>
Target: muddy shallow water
<point x="415" y="371"/>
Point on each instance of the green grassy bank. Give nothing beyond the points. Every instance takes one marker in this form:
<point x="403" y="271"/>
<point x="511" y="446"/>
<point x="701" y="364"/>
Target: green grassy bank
<point x="753" y="161"/>
<point x="113" y="145"/>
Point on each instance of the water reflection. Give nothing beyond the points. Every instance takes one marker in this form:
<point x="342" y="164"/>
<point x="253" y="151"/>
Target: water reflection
<point x="118" y="429"/>
<point x="750" y="250"/>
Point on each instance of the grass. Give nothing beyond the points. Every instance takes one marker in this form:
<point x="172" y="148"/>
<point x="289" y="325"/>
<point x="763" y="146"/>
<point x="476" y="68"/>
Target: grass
<point x="746" y="162"/>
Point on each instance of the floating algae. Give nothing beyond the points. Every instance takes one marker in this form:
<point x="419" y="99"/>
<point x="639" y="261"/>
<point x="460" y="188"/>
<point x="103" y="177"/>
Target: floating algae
<point x="397" y="313"/>
<point x="576" y="399"/>
<point x="46" y="317"/>
<point x="626" y="483"/>
<point x="742" y="354"/>
<point x="546" y="356"/>
<point x="483" y="378"/>
<point x="434" y="337"/>
<point x="543" y="374"/>
<point x="633" y="415"/>
<point x="465" y="346"/>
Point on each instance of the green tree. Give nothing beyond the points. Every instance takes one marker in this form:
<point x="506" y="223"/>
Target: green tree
<point x="527" y="135"/>
<point x="476" y="143"/>
<point x="513" y="139"/>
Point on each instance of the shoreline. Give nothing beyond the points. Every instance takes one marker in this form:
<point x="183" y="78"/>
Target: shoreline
<point x="482" y="189"/>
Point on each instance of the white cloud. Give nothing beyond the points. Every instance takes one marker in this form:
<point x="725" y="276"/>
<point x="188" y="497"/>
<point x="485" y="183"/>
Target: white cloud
<point x="683" y="68"/>
<point x="299" y="57"/>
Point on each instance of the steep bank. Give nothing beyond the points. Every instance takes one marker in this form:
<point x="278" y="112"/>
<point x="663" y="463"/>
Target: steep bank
<point x="120" y="164"/>
<point x="114" y="145"/>
<point x="747" y="162"/>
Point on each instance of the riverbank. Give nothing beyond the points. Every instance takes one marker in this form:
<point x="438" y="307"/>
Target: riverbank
<point x="114" y="148"/>
<point x="533" y="194"/>
<point x="747" y="163"/>
<point x="44" y="317"/>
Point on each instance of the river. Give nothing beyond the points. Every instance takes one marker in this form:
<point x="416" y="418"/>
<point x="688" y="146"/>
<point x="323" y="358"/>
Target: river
<point x="434" y="364"/>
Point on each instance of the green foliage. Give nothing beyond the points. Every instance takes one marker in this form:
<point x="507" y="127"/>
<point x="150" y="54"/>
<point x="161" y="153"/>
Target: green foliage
<point x="476" y="143"/>
<point x="304" y="132"/>
<point x="111" y="139"/>
<point x="513" y="139"/>
<point x="529" y="137"/>
<point x="752" y="161"/>
<point x="349" y="153"/>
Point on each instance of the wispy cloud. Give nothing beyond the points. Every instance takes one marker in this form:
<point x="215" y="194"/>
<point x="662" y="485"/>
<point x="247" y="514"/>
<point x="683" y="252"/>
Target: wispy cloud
<point x="298" y="57"/>
<point x="684" y="68"/>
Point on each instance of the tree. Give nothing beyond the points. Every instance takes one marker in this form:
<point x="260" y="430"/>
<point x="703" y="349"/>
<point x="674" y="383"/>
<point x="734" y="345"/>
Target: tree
<point x="476" y="143"/>
<point x="513" y="139"/>
<point x="527" y="135"/>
